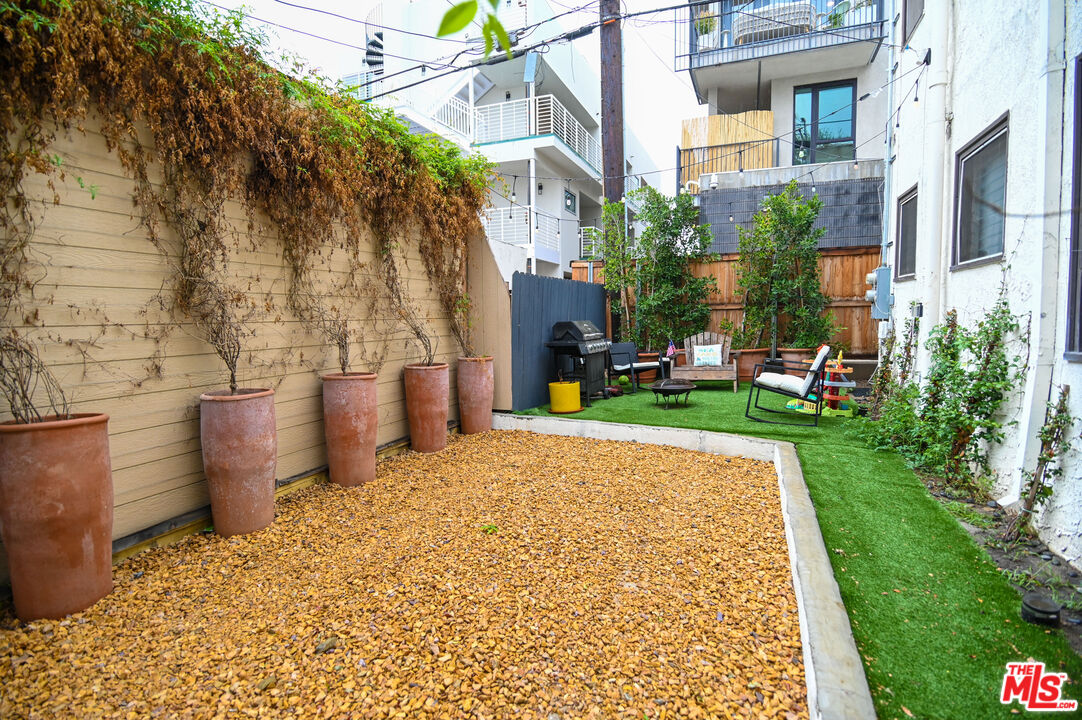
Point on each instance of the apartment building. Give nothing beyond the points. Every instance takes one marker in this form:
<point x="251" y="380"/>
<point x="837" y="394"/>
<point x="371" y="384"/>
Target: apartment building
<point x="795" y="90"/>
<point x="985" y="193"/>
<point x="536" y="116"/>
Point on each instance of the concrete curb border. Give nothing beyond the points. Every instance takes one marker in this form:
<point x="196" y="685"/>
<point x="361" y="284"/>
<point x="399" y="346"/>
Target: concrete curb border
<point x="837" y="686"/>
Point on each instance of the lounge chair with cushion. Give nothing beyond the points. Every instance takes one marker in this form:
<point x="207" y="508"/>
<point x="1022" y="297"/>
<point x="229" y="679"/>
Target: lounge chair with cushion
<point x="798" y="381"/>
<point x="624" y="360"/>
<point x="708" y="358"/>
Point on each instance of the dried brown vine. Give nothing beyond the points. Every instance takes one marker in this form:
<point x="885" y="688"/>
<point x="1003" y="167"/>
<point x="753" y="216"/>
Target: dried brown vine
<point x="225" y="125"/>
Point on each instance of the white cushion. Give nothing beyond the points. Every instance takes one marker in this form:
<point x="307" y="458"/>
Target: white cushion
<point x="638" y="366"/>
<point x="707" y="355"/>
<point x="788" y="383"/>
<point x="819" y="362"/>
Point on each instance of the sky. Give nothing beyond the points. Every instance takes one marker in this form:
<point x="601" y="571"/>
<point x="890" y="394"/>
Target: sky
<point x="653" y="116"/>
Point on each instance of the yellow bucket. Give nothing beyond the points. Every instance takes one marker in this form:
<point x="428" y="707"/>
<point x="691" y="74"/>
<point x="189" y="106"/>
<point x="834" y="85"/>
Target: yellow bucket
<point x="564" y="397"/>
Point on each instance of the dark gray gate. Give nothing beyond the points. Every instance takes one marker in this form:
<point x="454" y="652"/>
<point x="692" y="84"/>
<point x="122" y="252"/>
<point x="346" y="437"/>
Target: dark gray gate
<point x="537" y="303"/>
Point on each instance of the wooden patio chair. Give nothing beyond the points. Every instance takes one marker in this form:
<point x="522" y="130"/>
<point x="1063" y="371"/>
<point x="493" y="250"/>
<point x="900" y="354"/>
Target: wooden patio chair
<point x="799" y="381"/>
<point x="624" y="360"/>
<point x="726" y="370"/>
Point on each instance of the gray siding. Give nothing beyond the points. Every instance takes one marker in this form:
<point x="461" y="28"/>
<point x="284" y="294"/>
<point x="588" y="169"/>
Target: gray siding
<point x="852" y="212"/>
<point x="538" y="303"/>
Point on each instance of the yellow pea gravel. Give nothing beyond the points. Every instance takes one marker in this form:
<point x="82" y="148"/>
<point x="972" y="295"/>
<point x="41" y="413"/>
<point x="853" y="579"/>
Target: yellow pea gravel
<point x="509" y="575"/>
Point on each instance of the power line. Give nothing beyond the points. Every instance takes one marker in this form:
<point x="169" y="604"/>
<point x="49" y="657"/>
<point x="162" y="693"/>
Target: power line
<point x="367" y="23"/>
<point x="342" y="43"/>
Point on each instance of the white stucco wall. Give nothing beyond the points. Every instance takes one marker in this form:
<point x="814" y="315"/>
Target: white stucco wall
<point x="983" y="84"/>
<point x="870" y="114"/>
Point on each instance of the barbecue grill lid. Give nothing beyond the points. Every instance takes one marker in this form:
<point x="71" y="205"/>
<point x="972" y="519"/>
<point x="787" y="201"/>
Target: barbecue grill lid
<point x="577" y="330"/>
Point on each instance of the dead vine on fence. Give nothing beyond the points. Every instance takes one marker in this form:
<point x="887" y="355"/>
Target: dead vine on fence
<point x="225" y="125"/>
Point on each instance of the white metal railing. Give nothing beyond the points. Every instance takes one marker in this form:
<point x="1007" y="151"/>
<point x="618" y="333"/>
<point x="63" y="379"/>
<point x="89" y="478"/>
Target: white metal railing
<point x="590" y="241"/>
<point x="631" y="184"/>
<point x="454" y="114"/>
<point x="553" y="117"/>
<point x="363" y="85"/>
<point x="512" y="226"/>
<point x="546" y="233"/>
<point x="544" y="115"/>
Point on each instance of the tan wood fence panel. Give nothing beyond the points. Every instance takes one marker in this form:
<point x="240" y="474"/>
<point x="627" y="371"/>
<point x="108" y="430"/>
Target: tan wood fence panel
<point x="843" y="270"/>
<point x="117" y="350"/>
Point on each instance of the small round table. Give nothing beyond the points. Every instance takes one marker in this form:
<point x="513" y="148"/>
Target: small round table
<point x="669" y="388"/>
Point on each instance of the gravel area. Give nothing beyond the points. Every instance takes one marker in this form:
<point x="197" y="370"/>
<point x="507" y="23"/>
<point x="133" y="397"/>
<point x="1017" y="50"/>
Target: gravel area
<point x="510" y="575"/>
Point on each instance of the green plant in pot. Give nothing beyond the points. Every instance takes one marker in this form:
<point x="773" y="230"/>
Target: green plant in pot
<point x="778" y="272"/>
<point x="671" y="300"/>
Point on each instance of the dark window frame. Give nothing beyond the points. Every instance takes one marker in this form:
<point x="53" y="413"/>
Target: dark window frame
<point x="574" y="209"/>
<point x="1001" y="126"/>
<point x="813" y="132"/>
<point x="1073" y="350"/>
<point x="909" y="195"/>
<point x="907" y="28"/>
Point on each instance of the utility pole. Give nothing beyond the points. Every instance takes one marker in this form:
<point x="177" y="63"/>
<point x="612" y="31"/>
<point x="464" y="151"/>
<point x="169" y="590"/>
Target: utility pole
<point x="612" y="101"/>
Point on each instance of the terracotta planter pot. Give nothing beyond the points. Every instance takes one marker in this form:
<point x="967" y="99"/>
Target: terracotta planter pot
<point x="647" y="376"/>
<point x="240" y="456"/>
<point x="747" y="359"/>
<point x="350" y="426"/>
<point x="796" y="355"/>
<point x="427" y="392"/>
<point x="56" y="506"/>
<point x="475" y="389"/>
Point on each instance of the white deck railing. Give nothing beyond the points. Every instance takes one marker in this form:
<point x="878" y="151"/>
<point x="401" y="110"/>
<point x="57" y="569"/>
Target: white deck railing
<point x="455" y="115"/>
<point x="590" y="241"/>
<point x="512" y="226"/>
<point x="544" y="115"/>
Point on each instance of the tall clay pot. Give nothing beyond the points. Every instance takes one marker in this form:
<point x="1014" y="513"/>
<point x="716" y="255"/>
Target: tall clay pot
<point x="647" y="376"/>
<point x="796" y="355"/>
<point x="427" y="393"/>
<point x="350" y="426"/>
<point x="475" y="388"/>
<point x="747" y="359"/>
<point x="56" y="506"/>
<point x="240" y="456"/>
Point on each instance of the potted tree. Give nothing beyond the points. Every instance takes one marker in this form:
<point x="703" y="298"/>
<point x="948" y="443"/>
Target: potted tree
<point x="56" y="491"/>
<point x="778" y="269"/>
<point x="671" y="301"/>
<point x="350" y="412"/>
<point x="237" y="429"/>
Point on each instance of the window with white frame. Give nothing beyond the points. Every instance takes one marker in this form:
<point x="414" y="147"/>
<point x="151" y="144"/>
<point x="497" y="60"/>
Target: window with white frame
<point x="981" y="196"/>
<point x="905" y="259"/>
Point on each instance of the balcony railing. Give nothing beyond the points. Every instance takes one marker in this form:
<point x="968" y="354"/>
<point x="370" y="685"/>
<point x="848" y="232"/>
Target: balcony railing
<point x="455" y="115"/>
<point x="517" y="225"/>
<point x="590" y="241"/>
<point x="731" y="30"/>
<point x="751" y="155"/>
<point x="535" y="116"/>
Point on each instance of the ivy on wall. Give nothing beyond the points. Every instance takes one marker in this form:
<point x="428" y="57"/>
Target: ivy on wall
<point x="224" y="124"/>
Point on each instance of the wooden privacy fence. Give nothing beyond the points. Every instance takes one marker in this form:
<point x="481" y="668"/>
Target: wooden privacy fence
<point x="844" y="271"/>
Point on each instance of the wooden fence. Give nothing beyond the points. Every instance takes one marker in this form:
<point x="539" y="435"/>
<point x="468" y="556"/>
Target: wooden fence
<point x="844" y="272"/>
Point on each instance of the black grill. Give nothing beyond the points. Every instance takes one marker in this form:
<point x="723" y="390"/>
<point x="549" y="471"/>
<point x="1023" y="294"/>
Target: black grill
<point x="578" y="352"/>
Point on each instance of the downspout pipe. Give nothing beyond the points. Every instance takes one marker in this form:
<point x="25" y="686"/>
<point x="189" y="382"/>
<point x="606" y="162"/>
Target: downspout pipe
<point x="1051" y="170"/>
<point x="935" y="154"/>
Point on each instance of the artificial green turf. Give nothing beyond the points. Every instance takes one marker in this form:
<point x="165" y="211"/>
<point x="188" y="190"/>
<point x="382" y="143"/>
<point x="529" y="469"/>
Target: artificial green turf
<point x="934" y="620"/>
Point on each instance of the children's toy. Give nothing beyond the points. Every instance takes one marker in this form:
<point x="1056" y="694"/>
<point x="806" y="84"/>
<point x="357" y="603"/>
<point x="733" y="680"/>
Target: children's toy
<point x="837" y="386"/>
